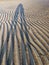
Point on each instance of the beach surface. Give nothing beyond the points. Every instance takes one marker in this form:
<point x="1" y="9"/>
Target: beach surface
<point x="24" y="32"/>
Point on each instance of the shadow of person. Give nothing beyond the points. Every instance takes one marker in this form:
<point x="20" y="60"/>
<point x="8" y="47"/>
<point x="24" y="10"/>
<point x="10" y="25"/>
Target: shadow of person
<point x="20" y="11"/>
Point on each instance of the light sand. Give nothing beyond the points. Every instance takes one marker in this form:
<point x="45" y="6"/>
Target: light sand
<point x="26" y="40"/>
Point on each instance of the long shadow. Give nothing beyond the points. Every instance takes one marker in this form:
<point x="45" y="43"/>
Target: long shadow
<point x="19" y="11"/>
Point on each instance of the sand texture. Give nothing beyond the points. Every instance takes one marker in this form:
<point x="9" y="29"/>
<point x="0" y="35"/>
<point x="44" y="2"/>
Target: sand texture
<point x="24" y="36"/>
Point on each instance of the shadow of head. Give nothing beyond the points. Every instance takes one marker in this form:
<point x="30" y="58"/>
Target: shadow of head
<point x="18" y="10"/>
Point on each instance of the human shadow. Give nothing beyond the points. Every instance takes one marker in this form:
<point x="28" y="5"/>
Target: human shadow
<point x="20" y="11"/>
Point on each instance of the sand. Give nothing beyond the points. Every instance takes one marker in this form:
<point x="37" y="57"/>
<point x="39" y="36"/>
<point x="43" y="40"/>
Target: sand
<point x="24" y="33"/>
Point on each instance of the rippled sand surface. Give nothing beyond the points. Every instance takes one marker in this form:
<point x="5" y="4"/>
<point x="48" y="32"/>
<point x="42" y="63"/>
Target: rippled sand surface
<point x="24" y="33"/>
